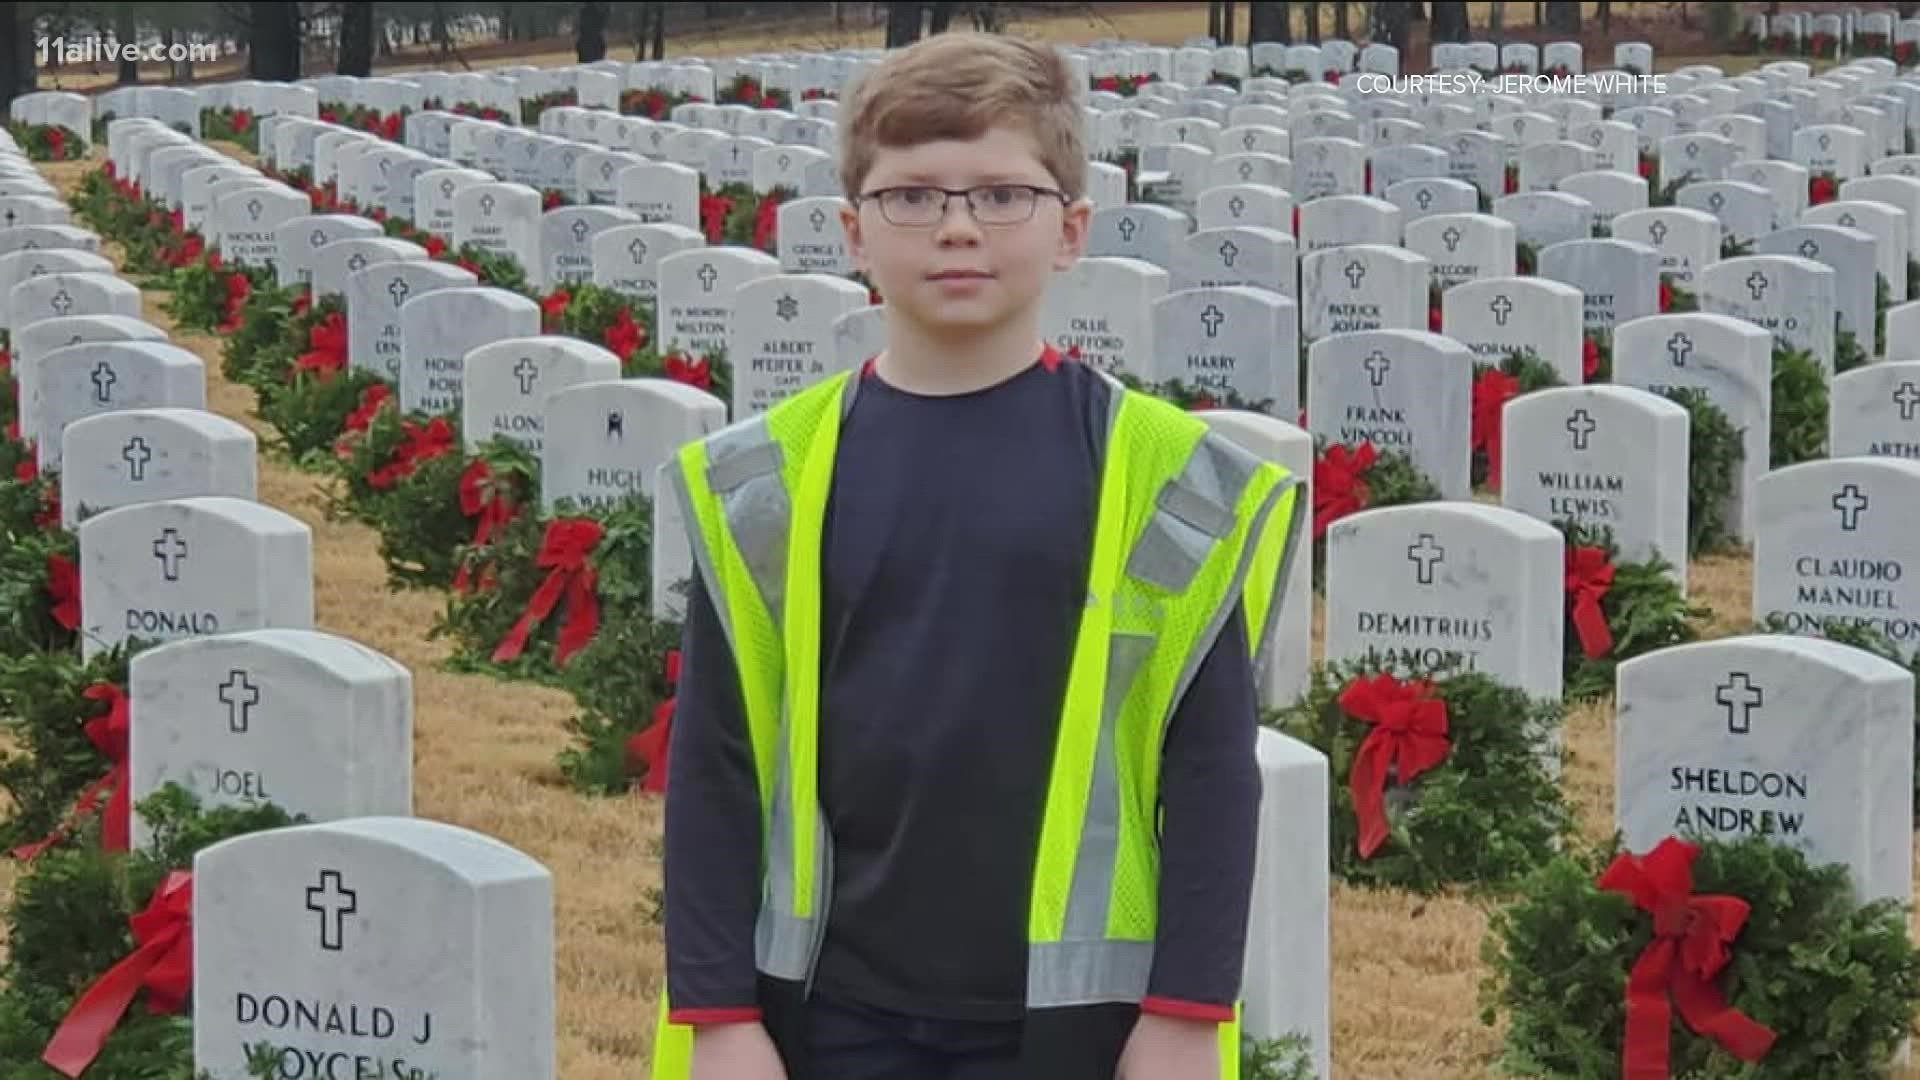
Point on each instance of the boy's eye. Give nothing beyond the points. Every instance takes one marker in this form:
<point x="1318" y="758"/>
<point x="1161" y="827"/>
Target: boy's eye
<point x="1002" y="196"/>
<point x="915" y="197"/>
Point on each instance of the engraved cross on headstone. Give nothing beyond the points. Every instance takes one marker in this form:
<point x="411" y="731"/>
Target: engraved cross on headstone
<point x="1451" y="238"/>
<point x="1581" y="426"/>
<point x="333" y="902"/>
<point x="1229" y="251"/>
<point x="1425" y="555"/>
<point x="1807" y="248"/>
<point x="1377" y="365"/>
<point x="526" y="371"/>
<point x="170" y="548"/>
<point x="1907" y="397"/>
<point x="1679" y="347"/>
<point x="239" y="696"/>
<point x="1501" y="308"/>
<point x="61" y="302"/>
<point x="707" y="275"/>
<point x="103" y="380"/>
<point x="1211" y="319"/>
<point x="1356" y="272"/>
<point x="1236" y="206"/>
<point x="580" y="228"/>
<point x="1757" y="284"/>
<point x="1423" y="198"/>
<point x="1851" y="502"/>
<point x="398" y="289"/>
<point x="1658" y="232"/>
<point x="1127" y="228"/>
<point x="136" y="455"/>
<point x="1750" y="697"/>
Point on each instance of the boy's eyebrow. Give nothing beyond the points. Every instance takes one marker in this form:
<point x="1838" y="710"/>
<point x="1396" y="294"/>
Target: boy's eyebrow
<point x="985" y="178"/>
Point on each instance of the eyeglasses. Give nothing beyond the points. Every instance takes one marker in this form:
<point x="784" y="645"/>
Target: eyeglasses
<point x="990" y="204"/>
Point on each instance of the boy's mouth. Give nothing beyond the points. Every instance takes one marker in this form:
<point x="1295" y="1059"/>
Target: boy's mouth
<point x="959" y="275"/>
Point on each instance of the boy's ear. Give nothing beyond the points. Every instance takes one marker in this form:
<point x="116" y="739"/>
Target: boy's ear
<point x="856" y="243"/>
<point x="1074" y="225"/>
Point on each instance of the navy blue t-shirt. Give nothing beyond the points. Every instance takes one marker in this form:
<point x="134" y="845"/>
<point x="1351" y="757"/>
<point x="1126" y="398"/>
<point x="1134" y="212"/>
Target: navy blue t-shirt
<point x="955" y="560"/>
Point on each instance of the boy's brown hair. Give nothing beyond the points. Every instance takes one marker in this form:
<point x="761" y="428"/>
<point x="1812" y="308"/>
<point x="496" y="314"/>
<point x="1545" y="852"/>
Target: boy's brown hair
<point x="958" y="86"/>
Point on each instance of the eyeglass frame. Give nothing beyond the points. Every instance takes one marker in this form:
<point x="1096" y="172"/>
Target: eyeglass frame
<point x="967" y="194"/>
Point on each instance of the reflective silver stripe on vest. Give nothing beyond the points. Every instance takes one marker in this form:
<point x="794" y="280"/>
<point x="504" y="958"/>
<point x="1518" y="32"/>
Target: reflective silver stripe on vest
<point x="1193" y="512"/>
<point x="1064" y="973"/>
<point x="783" y="943"/>
<point x="743" y="469"/>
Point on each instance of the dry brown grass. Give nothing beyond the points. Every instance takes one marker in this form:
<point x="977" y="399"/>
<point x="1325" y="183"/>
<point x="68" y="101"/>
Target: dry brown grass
<point x="1406" y="970"/>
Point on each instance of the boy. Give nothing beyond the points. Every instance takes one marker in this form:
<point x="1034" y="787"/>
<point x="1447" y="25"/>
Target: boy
<point x="963" y="768"/>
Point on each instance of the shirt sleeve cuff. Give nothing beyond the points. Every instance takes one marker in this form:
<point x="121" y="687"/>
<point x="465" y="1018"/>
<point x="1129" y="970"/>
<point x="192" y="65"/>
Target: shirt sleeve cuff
<point x="696" y="1017"/>
<point x="1187" y="1010"/>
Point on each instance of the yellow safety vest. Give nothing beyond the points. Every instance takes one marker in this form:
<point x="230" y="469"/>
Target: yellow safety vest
<point x="1188" y="524"/>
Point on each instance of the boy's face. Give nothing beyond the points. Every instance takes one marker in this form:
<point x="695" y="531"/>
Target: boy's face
<point x="946" y="270"/>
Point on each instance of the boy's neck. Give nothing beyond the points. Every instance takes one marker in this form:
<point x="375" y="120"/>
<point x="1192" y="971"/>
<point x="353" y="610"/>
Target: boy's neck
<point x="920" y="361"/>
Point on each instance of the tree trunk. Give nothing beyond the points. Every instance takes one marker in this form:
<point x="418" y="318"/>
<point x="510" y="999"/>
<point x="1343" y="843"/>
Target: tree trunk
<point x="1226" y="23"/>
<point x="1496" y="17"/>
<point x="16" y="59"/>
<point x="1449" y="20"/>
<point x="274" y="49"/>
<point x="1392" y="21"/>
<point x="903" y="24"/>
<point x="1268" y="21"/>
<point x="1539" y="13"/>
<point x="942" y="16"/>
<point x="127" y="30"/>
<point x="1342" y="29"/>
<point x="1563" y="16"/>
<point x="1604" y="12"/>
<point x="356" y="41"/>
<point x="590" y="37"/>
<point x="1213" y="20"/>
<point x="659" y="31"/>
<point x="1419" y="14"/>
<point x="1313" y="22"/>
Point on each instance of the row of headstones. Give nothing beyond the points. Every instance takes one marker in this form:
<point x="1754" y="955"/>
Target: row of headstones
<point x="240" y="700"/>
<point x="1842" y="27"/>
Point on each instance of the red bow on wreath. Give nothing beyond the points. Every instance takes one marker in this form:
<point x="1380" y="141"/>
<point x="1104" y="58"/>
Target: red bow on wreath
<point x="624" y="337"/>
<point x="1491" y="392"/>
<point x="1339" y="484"/>
<point x="698" y="372"/>
<point x="649" y="748"/>
<point x="1409" y="737"/>
<point x="1691" y="936"/>
<point x="1589" y="576"/>
<point x="63" y="591"/>
<point x="239" y="287"/>
<point x="713" y="217"/>
<point x="162" y="965"/>
<point x="489" y="504"/>
<point x="424" y="443"/>
<point x="327" y="347"/>
<point x="564" y="551"/>
<point x="766" y="223"/>
<point x="108" y="733"/>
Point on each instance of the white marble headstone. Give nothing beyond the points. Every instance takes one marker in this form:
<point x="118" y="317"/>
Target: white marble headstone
<point x="696" y="296"/>
<point x="1833" y="544"/>
<point x="1875" y="409"/>
<point x="117" y="459"/>
<point x="506" y="383"/>
<point x="1804" y="740"/>
<point x="190" y="568"/>
<point x="442" y="936"/>
<point x="312" y="723"/>
<point x="609" y="437"/>
<point x="1406" y="391"/>
<point x="1500" y="315"/>
<point x="781" y="340"/>
<point x="440" y="327"/>
<point x="1606" y="457"/>
<point x="1449" y="587"/>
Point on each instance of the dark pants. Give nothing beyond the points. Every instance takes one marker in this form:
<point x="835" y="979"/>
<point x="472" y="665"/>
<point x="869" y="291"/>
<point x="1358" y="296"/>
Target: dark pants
<point x="827" y="1039"/>
<point x="848" y="1041"/>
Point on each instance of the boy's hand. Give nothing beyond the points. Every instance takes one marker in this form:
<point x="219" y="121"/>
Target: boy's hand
<point x="1167" y="1048"/>
<point x="735" y="1052"/>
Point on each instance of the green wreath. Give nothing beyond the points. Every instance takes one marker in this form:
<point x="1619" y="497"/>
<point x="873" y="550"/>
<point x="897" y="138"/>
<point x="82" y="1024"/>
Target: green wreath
<point x="1484" y="814"/>
<point x="1714" y="455"/>
<point x="50" y="760"/>
<point x="68" y="925"/>
<point x="1643" y="608"/>
<point x="1836" y="981"/>
<point x="1799" y="407"/>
